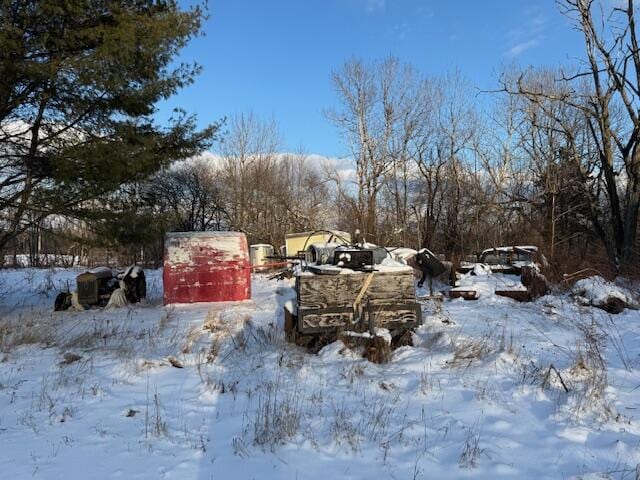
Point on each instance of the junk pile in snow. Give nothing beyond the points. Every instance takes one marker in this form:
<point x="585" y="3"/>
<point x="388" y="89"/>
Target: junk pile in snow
<point x="357" y="290"/>
<point x="506" y="259"/>
<point x="534" y="285"/>
<point x="99" y="287"/>
<point x="511" y="262"/>
<point x="425" y="263"/>
<point x="134" y="283"/>
<point x="430" y="266"/>
<point x="475" y="397"/>
<point x="206" y="267"/>
<point x="485" y="283"/>
<point x="598" y="292"/>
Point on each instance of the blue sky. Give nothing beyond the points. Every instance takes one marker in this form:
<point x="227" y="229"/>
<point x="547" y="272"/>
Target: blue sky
<point x="275" y="57"/>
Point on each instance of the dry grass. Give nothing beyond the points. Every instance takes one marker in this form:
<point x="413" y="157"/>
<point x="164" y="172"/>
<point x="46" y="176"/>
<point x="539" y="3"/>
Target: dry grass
<point x="135" y="342"/>
<point x="236" y="333"/>
<point x="193" y="334"/>
<point x="467" y="350"/>
<point x="589" y="376"/>
<point x="154" y="423"/>
<point x="428" y="382"/>
<point x="373" y="418"/>
<point x="213" y="322"/>
<point x="343" y="430"/>
<point x="471" y="450"/>
<point x="278" y="416"/>
<point x="582" y="385"/>
<point x="28" y="329"/>
<point x="376" y="349"/>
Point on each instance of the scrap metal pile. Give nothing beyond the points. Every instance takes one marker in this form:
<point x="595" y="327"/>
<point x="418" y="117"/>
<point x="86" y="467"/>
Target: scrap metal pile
<point x="521" y="269"/>
<point x="353" y="291"/>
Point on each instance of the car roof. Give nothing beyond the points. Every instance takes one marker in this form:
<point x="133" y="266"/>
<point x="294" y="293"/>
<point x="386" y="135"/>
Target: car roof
<point x="529" y="248"/>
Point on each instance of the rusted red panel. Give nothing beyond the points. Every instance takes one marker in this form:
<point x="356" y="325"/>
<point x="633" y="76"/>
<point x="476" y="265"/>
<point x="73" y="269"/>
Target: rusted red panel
<point x="206" y="267"/>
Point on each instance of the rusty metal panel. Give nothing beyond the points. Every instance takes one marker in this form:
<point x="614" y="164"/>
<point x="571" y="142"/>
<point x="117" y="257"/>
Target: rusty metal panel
<point x="519" y="295"/>
<point x="87" y="286"/>
<point x="206" y="267"/>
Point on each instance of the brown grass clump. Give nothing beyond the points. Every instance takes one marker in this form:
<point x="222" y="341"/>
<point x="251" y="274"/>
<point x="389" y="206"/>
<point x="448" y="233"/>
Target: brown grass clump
<point x="404" y="339"/>
<point x="192" y="336"/>
<point x="213" y="322"/>
<point x="376" y="349"/>
<point x="27" y="330"/>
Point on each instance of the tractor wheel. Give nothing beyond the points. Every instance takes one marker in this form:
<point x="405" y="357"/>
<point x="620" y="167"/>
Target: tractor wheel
<point x="62" y="302"/>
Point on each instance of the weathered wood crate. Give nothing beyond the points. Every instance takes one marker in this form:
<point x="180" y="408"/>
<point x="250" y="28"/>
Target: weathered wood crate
<point x="351" y="300"/>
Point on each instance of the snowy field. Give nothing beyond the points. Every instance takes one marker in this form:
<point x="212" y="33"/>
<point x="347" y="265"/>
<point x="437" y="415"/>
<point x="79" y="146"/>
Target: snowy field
<point x="490" y="389"/>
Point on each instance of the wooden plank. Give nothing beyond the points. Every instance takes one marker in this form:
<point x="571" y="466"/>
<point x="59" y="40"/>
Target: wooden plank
<point x="466" y="294"/>
<point x="326" y="291"/>
<point x="384" y="316"/>
<point x="316" y="321"/>
<point x="519" y="295"/>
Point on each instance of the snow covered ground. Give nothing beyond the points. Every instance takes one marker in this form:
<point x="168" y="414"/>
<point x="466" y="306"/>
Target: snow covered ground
<point x="491" y="389"/>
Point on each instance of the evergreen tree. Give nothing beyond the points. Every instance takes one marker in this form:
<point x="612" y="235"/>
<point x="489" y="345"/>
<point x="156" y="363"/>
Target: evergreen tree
<point x="79" y="85"/>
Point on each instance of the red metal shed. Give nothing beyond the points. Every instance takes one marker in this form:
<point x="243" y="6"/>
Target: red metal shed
<point x="206" y="267"/>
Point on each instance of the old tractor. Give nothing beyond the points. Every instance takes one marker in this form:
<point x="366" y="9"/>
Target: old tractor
<point x="100" y="287"/>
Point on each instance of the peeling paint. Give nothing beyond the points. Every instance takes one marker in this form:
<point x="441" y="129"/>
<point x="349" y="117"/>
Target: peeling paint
<point x="206" y="267"/>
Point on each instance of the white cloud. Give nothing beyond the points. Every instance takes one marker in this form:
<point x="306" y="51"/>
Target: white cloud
<point x="342" y="167"/>
<point x="527" y="36"/>
<point x="521" y="47"/>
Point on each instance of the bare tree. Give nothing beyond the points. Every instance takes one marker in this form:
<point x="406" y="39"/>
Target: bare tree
<point x="442" y="152"/>
<point x="605" y="93"/>
<point x="189" y="197"/>
<point x="267" y="193"/>
<point x="377" y="114"/>
<point x="250" y="147"/>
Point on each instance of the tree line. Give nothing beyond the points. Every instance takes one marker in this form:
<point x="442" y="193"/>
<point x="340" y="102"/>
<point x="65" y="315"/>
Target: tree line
<point x="549" y="157"/>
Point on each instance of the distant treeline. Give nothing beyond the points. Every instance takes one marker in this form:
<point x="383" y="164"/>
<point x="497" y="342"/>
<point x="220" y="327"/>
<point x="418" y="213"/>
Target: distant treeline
<point x="550" y="157"/>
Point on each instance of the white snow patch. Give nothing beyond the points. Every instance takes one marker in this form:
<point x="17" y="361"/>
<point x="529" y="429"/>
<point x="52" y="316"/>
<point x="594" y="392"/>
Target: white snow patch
<point x="464" y="401"/>
<point x="596" y="290"/>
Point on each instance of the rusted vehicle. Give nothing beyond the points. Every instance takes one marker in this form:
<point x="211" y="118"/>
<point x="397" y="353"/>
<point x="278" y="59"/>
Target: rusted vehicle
<point x="513" y="262"/>
<point x="98" y="286"/>
<point x="506" y="259"/>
